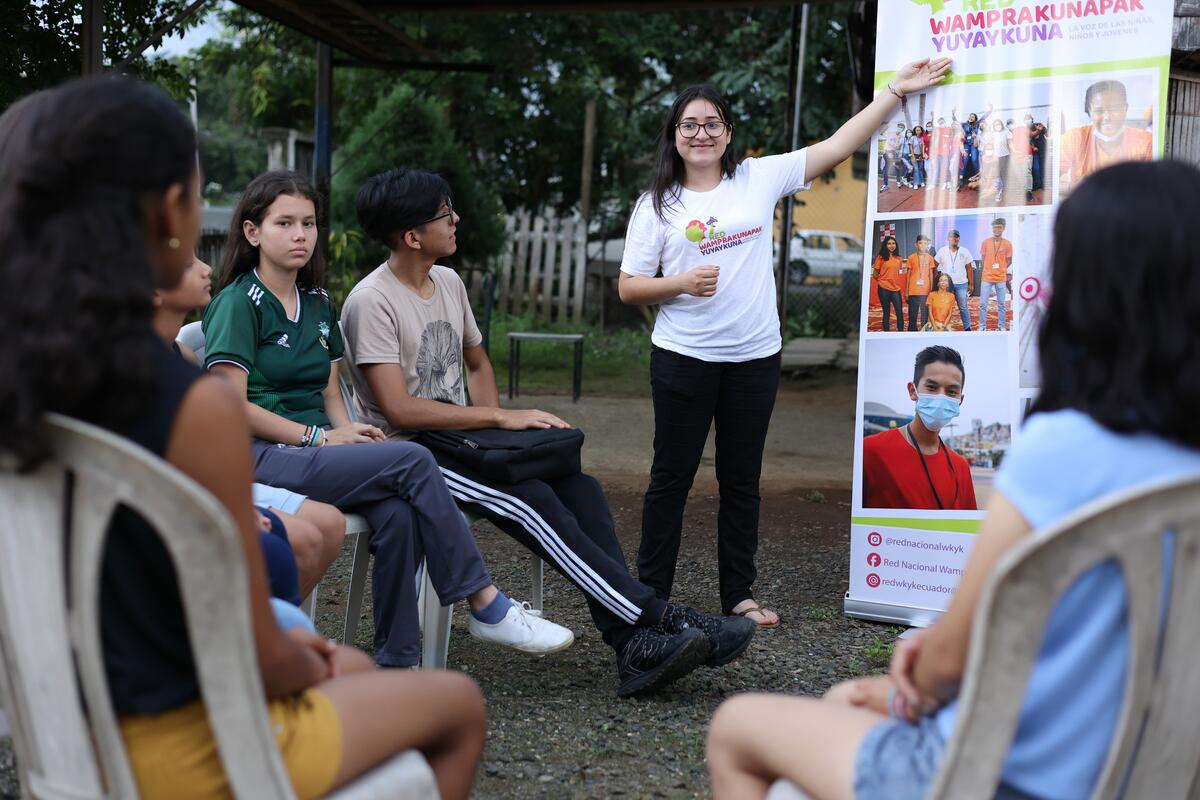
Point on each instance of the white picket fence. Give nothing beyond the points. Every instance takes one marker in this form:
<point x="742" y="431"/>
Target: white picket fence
<point x="543" y="267"/>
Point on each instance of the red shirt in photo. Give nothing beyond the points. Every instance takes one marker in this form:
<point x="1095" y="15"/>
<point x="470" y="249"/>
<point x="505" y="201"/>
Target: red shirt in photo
<point x="893" y="476"/>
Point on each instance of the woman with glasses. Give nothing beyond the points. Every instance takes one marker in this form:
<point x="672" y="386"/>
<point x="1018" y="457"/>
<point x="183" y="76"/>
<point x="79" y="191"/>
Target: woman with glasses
<point x="699" y="246"/>
<point x="273" y="334"/>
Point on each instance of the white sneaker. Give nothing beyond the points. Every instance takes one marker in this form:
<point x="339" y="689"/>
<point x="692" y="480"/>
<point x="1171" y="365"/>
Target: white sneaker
<point x="522" y="629"/>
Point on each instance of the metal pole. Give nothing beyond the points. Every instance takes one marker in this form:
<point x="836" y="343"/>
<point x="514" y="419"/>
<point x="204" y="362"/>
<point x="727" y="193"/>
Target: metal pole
<point x="92" y="49"/>
<point x="800" y="41"/>
<point x="323" y="133"/>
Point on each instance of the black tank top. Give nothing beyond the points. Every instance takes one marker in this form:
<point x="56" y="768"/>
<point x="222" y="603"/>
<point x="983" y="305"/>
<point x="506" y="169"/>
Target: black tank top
<point x="147" y="652"/>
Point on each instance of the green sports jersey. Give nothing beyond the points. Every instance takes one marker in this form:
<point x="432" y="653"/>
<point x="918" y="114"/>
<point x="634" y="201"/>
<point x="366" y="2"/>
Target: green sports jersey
<point x="286" y="361"/>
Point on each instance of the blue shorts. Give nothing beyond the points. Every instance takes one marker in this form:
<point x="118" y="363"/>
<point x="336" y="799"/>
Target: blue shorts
<point x="277" y="498"/>
<point x="900" y="761"/>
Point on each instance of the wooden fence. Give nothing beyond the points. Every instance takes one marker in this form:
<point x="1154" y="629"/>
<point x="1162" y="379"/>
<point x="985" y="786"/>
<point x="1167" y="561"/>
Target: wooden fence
<point x="543" y="267"/>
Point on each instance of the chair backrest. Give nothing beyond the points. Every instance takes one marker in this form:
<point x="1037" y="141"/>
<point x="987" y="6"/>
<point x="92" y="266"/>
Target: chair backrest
<point x="192" y="335"/>
<point x="1155" y="750"/>
<point x="52" y="679"/>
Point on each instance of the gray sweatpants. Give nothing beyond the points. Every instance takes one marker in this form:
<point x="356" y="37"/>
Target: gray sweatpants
<point x="398" y="487"/>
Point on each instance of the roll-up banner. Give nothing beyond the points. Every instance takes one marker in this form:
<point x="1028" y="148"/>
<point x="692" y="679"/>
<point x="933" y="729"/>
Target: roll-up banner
<point x="963" y="185"/>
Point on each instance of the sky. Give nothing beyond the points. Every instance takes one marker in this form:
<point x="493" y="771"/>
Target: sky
<point x="177" y="46"/>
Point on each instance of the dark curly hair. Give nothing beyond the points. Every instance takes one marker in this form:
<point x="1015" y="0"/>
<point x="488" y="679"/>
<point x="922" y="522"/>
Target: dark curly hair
<point x="668" y="166"/>
<point x="1118" y="341"/>
<point x="240" y="256"/>
<point x="79" y="167"/>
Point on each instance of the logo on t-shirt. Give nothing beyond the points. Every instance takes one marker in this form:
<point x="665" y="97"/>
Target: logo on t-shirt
<point x="282" y="341"/>
<point x="711" y="239"/>
<point x="324" y="329"/>
<point x="255" y="293"/>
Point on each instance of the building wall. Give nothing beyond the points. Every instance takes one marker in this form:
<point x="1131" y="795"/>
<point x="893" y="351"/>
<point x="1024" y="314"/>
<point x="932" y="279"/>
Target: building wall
<point x="836" y="205"/>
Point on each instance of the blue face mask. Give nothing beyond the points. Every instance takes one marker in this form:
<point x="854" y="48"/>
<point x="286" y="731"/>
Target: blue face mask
<point x="936" y="410"/>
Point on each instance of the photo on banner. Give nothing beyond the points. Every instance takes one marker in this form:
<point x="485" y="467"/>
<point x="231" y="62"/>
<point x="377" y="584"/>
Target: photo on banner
<point x="940" y="267"/>
<point x="1040" y="96"/>
<point x="1105" y="119"/>
<point x="894" y="474"/>
<point x="964" y="146"/>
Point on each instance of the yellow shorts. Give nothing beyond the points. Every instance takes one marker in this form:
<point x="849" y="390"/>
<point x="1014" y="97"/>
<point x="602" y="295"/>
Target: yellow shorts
<point x="173" y="754"/>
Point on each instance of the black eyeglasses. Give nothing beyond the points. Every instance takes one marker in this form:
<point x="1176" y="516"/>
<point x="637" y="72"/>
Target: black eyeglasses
<point x="447" y="213"/>
<point x="688" y="130"/>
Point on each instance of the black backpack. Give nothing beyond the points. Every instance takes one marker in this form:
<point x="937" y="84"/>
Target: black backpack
<point x="511" y="456"/>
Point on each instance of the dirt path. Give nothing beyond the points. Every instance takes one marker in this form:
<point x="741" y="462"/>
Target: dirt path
<point x="808" y="443"/>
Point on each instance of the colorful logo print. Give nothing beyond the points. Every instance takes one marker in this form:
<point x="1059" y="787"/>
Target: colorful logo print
<point x="874" y="539"/>
<point x="873" y="559"/>
<point x="873" y="581"/>
<point x="694" y="230"/>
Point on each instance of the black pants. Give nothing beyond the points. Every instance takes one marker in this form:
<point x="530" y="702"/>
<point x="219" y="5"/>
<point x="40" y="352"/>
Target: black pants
<point x="917" y="309"/>
<point x="565" y="522"/>
<point x="889" y="300"/>
<point x="689" y="395"/>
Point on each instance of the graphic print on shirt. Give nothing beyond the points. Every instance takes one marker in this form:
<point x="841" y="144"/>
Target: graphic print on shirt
<point x="324" y="329"/>
<point x="282" y="341"/>
<point x="438" y="361"/>
<point x="713" y="240"/>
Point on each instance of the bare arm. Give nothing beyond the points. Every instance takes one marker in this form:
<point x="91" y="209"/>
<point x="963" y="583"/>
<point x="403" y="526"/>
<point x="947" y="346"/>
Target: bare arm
<point x="274" y="428"/>
<point x="481" y="378"/>
<point x="210" y="443"/>
<point x="939" y="663"/>
<point x="640" y="290"/>
<point x="825" y="155"/>
<point x="335" y="405"/>
<point x="408" y="413"/>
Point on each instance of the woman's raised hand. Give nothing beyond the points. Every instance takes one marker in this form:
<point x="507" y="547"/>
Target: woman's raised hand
<point x="701" y="281"/>
<point x="918" y="75"/>
<point x="353" y="433"/>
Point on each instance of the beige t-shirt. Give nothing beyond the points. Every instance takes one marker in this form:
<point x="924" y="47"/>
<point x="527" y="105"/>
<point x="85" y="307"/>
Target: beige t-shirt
<point x="385" y="322"/>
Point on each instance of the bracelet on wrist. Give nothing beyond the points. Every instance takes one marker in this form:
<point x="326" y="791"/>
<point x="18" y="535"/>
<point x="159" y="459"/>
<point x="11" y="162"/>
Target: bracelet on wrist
<point x="899" y="95"/>
<point x="304" y="436"/>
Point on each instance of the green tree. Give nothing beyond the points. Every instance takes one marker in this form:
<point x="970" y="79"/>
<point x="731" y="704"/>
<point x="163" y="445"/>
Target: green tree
<point x="40" y="44"/>
<point x="407" y="129"/>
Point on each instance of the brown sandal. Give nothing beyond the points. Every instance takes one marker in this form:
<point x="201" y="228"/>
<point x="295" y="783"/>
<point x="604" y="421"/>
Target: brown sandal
<point x="751" y="609"/>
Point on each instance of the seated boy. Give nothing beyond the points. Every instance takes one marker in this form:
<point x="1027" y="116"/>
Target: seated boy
<point x="414" y="347"/>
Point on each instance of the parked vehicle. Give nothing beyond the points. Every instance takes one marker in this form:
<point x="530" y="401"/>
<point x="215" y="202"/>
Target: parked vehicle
<point x="823" y="254"/>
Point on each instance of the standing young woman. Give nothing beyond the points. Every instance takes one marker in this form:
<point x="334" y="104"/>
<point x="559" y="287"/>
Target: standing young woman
<point x="888" y="272"/>
<point x="1116" y="412"/>
<point x="273" y="334"/>
<point x="716" y="348"/>
<point x="112" y="163"/>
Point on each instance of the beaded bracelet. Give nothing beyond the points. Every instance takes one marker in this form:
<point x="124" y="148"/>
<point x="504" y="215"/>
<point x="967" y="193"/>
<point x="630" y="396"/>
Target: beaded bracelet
<point x="304" y="436"/>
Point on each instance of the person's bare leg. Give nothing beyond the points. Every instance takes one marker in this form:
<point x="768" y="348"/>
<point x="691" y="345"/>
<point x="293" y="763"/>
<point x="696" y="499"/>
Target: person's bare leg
<point x="384" y="712"/>
<point x="755" y="739"/>
<point x="332" y="526"/>
<point x="308" y="550"/>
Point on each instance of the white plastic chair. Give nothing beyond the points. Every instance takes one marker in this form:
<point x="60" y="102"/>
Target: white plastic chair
<point x="53" y="685"/>
<point x="1155" y="749"/>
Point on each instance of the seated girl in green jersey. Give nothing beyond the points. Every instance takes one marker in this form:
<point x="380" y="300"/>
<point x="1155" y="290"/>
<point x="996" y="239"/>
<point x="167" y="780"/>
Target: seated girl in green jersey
<point x="273" y="333"/>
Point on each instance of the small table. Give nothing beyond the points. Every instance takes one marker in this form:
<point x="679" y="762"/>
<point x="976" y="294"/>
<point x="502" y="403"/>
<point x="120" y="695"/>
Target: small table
<point x="514" y="359"/>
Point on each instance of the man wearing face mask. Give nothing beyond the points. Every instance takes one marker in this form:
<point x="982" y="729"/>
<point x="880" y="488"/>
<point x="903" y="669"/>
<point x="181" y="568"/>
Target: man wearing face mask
<point x="911" y="467"/>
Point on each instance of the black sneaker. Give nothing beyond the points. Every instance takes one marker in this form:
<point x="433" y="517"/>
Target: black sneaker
<point x="653" y="658"/>
<point x="728" y="637"/>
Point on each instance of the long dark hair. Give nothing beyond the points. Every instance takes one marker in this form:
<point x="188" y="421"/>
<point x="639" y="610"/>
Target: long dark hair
<point x="79" y="166"/>
<point x="668" y="165"/>
<point x="1122" y="246"/>
<point x="884" y="253"/>
<point x="240" y="256"/>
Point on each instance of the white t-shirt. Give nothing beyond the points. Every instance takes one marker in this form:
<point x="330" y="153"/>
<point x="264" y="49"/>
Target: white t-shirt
<point x="954" y="264"/>
<point x="1000" y="140"/>
<point x="730" y="226"/>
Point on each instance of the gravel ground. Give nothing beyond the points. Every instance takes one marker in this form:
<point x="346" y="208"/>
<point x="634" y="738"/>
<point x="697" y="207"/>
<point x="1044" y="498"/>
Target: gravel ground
<point x="557" y="728"/>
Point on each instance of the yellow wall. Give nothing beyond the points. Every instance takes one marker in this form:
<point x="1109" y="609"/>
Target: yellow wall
<point x="837" y="205"/>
